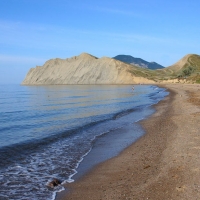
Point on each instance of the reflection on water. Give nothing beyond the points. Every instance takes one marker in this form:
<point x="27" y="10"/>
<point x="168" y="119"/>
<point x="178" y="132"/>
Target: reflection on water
<point x="45" y="131"/>
<point x="32" y="112"/>
<point x="38" y="111"/>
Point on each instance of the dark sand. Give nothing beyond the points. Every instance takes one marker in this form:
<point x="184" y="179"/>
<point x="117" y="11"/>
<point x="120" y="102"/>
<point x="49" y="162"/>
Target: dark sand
<point x="163" y="164"/>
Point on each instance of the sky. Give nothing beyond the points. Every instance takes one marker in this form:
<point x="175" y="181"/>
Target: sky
<point x="34" y="31"/>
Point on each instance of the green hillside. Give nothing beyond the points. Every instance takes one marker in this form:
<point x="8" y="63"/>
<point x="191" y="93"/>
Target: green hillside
<point x="188" y="69"/>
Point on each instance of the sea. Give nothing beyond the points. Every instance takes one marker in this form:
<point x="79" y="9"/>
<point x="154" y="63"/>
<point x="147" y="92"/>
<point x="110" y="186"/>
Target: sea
<point x="63" y="131"/>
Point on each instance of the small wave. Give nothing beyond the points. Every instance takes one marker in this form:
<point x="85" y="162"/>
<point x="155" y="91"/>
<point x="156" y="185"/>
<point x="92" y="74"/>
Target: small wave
<point x="123" y="113"/>
<point x="11" y="153"/>
<point x="59" y="155"/>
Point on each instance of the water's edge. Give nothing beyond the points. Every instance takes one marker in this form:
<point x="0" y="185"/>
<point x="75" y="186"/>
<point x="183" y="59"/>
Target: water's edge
<point x="100" y="151"/>
<point x="74" y="129"/>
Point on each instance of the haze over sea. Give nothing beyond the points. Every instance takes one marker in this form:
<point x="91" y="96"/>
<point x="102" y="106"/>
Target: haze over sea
<point x="50" y="131"/>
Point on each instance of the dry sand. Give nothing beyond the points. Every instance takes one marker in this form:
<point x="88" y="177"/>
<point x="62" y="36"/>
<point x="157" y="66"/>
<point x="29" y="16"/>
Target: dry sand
<point x="163" y="164"/>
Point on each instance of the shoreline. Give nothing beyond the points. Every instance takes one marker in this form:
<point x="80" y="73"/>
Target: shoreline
<point x="158" y="165"/>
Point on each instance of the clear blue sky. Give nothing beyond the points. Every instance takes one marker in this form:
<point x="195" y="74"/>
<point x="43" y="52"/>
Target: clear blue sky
<point x="33" y="31"/>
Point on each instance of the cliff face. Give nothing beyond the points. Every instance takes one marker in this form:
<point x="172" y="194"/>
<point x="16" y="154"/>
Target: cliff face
<point x="83" y="69"/>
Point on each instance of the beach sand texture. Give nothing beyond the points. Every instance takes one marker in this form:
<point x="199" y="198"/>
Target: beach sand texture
<point x="163" y="164"/>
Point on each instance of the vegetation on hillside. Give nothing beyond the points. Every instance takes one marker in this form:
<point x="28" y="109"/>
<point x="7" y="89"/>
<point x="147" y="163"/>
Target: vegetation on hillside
<point x="138" y="62"/>
<point x="188" y="70"/>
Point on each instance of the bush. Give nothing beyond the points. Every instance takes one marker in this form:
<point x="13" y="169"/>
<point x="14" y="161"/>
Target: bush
<point x="186" y="72"/>
<point x="198" y="81"/>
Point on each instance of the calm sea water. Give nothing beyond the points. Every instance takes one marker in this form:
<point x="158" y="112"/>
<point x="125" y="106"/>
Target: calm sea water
<point x="47" y="131"/>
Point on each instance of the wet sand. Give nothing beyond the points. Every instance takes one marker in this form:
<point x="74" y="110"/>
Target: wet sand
<point x="163" y="164"/>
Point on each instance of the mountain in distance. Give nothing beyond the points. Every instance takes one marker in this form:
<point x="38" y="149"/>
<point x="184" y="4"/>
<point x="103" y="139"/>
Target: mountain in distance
<point x="85" y="69"/>
<point x="138" y="62"/>
<point x="88" y="69"/>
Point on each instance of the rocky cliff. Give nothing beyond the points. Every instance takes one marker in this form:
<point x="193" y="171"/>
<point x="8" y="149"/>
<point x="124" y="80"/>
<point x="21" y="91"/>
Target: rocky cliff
<point x="83" y="69"/>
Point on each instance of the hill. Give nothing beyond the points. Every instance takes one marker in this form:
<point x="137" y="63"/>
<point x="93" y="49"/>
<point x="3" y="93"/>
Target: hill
<point x="88" y="69"/>
<point x="138" y="62"/>
<point x="85" y="69"/>
<point x="187" y="68"/>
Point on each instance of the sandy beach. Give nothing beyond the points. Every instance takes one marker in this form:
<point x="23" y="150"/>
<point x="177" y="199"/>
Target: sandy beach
<point x="163" y="164"/>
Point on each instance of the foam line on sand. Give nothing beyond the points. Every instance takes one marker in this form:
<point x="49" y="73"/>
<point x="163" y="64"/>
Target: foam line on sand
<point x="163" y="164"/>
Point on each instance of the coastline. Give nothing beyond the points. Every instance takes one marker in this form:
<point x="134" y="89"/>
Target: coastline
<point x="163" y="164"/>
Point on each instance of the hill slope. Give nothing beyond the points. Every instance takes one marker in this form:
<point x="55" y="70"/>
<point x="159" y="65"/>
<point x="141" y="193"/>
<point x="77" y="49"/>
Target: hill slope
<point x="85" y="69"/>
<point x="186" y="69"/>
<point x="190" y="60"/>
<point x="138" y="62"/>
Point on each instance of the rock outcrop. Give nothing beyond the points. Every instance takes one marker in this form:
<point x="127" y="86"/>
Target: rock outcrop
<point x="83" y="69"/>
